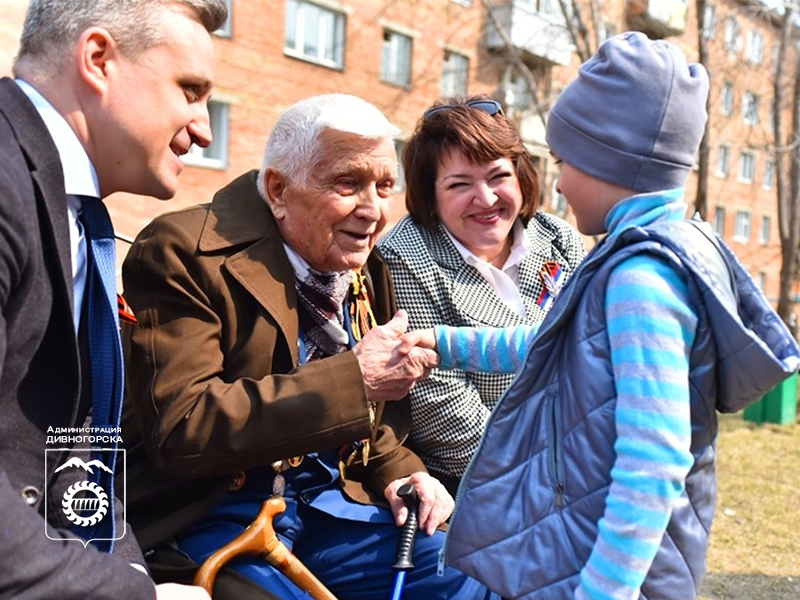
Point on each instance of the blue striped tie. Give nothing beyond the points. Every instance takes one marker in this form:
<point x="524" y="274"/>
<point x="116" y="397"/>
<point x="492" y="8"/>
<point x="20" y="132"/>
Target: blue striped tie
<point x="105" y="347"/>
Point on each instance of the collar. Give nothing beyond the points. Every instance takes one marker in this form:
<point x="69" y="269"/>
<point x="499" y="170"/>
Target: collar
<point x="299" y="264"/>
<point x="642" y="209"/>
<point x="519" y="248"/>
<point x="80" y="177"/>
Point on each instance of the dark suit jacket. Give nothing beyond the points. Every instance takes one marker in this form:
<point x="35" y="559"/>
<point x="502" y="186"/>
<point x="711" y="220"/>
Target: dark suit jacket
<point x="212" y="366"/>
<point x="40" y="374"/>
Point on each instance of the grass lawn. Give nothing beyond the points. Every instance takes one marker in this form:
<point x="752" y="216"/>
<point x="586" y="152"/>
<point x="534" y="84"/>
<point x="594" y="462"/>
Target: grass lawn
<point x="755" y="539"/>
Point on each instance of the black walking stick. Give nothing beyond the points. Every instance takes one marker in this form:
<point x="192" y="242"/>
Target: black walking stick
<point x="405" y="545"/>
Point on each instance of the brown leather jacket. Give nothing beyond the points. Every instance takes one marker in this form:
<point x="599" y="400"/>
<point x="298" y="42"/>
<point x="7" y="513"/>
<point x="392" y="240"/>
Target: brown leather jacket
<point x="212" y="367"/>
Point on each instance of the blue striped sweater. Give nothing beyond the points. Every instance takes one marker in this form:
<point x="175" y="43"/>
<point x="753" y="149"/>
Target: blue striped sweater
<point x="651" y="328"/>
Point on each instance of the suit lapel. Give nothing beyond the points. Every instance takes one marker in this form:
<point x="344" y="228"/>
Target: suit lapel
<point x="48" y="177"/>
<point x="239" y="216"/>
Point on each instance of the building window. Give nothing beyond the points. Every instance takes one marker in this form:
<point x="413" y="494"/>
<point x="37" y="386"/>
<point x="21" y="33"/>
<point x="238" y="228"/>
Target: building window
<point x="723" y="158"/>
<point x="731" y="34"/>
<point x="455" y="74"/>
<point x="762" y="281"/>
<point x="727" y="98"/>
<point x="400" y="186"/>
<point x="741" y="231"/>
<point x="769" y="174"/>
<point x="396" y="59"/>
<point x="558" y="202"/>
<point x="315" y="33"/>
<point x="755" y="47"/>
<point x="750" y="103"/>
<point x="719" y="221"/>
<point x="227" y="27"/>
<point x="766" y="222"/>
<point x="710" y="22"/>
<point x="747" y="167"/>
<point x="216" y="154"/>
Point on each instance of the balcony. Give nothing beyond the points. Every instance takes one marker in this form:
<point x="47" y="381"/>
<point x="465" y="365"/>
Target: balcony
<point x="657" y="18"/>
<point x="538" y="32"/>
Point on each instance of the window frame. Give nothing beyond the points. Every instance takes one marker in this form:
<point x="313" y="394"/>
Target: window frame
<point x="300" y="10"/>
<point x="747" y="166"/>
<point x="446" y="75"/>
<point x="723" y="150"/>
<point x="390" y="75"/>
<point x="216" y="155"/>
<point x="719" y="221"/>
<point x="743" y="226"/>
<point x="766" y="226"/>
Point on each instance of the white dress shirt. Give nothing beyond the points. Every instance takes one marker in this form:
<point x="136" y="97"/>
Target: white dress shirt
<point x="504" y="281"/>
<point x="80" y="179"/>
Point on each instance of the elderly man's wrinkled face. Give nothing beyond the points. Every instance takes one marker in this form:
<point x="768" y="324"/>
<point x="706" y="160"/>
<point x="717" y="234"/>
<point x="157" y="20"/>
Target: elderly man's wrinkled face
<point x="334" y="219"/>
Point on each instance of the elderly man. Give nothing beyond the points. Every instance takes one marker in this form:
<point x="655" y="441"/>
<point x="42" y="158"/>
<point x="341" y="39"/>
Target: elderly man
<point x="259" y="367"/>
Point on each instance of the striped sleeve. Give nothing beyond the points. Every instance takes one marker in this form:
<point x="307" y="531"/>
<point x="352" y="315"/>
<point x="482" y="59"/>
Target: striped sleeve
<point x="651" y="328"/>
<point x="485" y="349"/>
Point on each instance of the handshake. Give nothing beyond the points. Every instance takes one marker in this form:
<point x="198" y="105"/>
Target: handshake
<point x="393" y="361"/>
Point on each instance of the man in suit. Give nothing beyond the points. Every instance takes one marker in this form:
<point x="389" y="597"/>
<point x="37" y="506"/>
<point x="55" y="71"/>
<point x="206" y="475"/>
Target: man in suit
<point x="266" y="362"/>
<point x="106" y="97"/>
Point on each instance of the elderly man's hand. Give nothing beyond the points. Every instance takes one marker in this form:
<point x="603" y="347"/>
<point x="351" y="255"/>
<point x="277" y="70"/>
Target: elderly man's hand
<point x="435" y="502"/>
<point x="389" y="368"/>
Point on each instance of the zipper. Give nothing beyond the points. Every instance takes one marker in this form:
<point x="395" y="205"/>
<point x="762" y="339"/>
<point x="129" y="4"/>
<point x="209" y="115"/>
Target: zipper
<point x="557" y="470"/>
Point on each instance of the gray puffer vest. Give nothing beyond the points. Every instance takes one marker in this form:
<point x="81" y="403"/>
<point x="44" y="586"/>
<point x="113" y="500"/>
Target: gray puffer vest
<point x="528" y="507"/>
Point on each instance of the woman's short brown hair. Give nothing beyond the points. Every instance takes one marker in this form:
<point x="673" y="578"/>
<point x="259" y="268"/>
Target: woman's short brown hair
<point x="480" y="137"/>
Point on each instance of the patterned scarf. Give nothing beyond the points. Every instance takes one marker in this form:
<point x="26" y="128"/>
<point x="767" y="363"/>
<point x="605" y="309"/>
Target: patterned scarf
<point x="321" y="299"/>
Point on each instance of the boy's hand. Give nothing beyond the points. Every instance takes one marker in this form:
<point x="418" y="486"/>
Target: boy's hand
<point x="422" y="338"/>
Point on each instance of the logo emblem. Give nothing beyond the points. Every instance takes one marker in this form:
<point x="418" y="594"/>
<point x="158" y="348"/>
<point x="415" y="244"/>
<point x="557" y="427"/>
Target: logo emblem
<point x="85" y="502"/>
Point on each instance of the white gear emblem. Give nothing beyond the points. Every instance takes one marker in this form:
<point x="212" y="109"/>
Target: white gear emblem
<point x="95" y="502"/>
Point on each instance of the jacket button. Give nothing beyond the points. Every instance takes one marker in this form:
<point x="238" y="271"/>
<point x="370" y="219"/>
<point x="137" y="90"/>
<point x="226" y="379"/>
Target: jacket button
<point x="30" y="495"/>
<point x="238" y="482"/>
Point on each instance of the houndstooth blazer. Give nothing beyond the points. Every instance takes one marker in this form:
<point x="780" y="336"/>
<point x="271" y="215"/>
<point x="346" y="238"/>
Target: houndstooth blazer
<point x="437" y="286"/>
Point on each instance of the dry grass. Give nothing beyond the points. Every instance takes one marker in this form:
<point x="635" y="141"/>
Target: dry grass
<point x="755" y="540"/>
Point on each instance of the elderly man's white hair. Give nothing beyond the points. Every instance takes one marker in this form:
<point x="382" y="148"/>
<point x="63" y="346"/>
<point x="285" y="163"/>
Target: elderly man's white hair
<point x="293" y="147"/>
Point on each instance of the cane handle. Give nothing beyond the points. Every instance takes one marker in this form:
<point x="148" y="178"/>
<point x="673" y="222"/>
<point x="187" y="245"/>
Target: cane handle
<point x="260" y="538"/>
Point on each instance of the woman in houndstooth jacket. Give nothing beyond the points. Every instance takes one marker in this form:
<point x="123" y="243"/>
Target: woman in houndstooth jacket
<point x="473" y="251"/>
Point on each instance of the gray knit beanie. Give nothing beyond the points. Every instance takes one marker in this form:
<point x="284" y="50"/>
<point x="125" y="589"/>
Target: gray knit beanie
<point x="635" y="115"/>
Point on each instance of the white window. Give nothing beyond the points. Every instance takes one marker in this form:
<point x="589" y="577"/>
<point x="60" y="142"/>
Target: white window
<point x="315" y="33"/>
<point x="750" y="102"/>
<point x="766" y="223"/>
<point x="400" y="186"/>
<point x="558" y="202"/>
<point x="455" y="74"/>
<point x="719" y="221"/>
<point x="517" y="94"/>
<point x="747" y="166"/>
<point x="396" y="59"/>
<point x="762" y="281"/>
<point x="710" y="22"/>
<point x="731" y="35"/>
<point x="755" y="47"/>
<point x="227" y="27"/>
<point x="727" y="98"/>
<point x="216" y="154"/>
<point x="741" y="231"/>
<point x="723" y="158"/>
<point x="769" y="174"/>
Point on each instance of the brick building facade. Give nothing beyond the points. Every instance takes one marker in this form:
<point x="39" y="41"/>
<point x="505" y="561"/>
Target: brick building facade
<point x="402" y="55"/>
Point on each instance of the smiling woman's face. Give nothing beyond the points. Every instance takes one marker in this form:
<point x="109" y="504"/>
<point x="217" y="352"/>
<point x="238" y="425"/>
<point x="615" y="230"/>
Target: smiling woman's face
<point x="334" y="219"/>
<point x="479" y="204"/>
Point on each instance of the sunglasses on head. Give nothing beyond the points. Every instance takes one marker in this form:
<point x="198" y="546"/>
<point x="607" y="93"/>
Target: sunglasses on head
<point x="490" y="107"/>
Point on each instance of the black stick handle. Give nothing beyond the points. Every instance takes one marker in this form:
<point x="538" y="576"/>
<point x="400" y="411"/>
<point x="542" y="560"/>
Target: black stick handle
<point x="405" y="545"/>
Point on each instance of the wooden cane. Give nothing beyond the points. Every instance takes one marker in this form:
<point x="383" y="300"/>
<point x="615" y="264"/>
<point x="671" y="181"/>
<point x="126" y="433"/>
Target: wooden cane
<point x="260" y="538"/>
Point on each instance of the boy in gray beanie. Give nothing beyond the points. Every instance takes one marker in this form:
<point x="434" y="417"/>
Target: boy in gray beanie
<point x="595" y="478"/>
